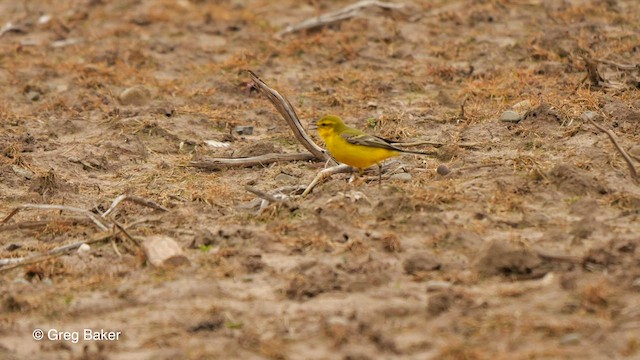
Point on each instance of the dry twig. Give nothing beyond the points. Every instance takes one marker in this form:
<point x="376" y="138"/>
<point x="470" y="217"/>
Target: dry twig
<point x="618" y="65"/>
<point x="612" y="137"/>
<point x="135" y="199"/>
<point x="561" y="258"/>
<point x="44" y="223"/>
<point x="287" y="111"/>
<point x="289" y="114"/>
<point x="12" y="263"/>
<point x="596" y="80"/>
<point x="223" y="163"/>
<point x="337" y="16"/>
<point x="86" y="213"/>
<point x="342" y="168"/>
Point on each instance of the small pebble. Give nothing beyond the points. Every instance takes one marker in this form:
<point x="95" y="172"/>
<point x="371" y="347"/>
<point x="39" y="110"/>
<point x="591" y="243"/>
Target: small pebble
<point x="33" y="95"/>
<point x="282" y="177"/>
<point x="20" y="171"/>
<point x="243" y="130"/>
<point x="522" y="106"/>
<point x="217" y="144"/>
<point x="44" y="19"/>
<point x="84" y="249"/>
<point x="137" y="96"/>
<point x="570" y="339"/>
<point x="401" y="176"/>
<point x="510" y="116"/>
<point x="187" y="146"/>
<point x="435" y="285"/>
<point x="443" y="169"/>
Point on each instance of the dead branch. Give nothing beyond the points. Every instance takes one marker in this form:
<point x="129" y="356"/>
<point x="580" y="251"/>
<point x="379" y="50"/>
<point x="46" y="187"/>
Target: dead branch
<point x="276" y="197"/>
<point x="618" y="65"/>
<point x="263" y="201"/>
<point x="12" y="263"/>
<point x="289" y="114"/>
<point x="612" y="137"/>
<point x="342" y="168"/>
<point x="223" y="163"/>
<point x="44" y="223"/>
<point x="84" y="212"/>
<point x="337" y="16"/>
<point x="135" y="199"/>
<point x="561" y="258"/>
<point x="596" y="80"/>
<point x="266" y="196"/>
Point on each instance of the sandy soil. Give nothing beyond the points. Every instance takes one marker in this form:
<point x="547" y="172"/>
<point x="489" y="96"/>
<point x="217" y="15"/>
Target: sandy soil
<point x="526" y="250"/>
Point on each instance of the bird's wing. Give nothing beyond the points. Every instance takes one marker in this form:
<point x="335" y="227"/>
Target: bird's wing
<point x="363" y="139"/>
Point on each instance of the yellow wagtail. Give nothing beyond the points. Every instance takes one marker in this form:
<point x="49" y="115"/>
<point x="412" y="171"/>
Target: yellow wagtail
<point x="354" y="147"/>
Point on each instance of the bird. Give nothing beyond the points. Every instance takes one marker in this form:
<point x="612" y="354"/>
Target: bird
<point x="354" y="147"/>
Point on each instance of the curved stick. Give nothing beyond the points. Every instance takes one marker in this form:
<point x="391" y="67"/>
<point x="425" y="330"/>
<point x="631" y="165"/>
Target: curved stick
<point x="289" y="114"/>
<point x="223" y="163"/>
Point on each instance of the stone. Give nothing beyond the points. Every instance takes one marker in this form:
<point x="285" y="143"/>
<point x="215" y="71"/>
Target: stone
<point x="163" y="251"/>
<point x="136" y="96"/>
<point x="510" y="116"/>
<point x="243" y="130"/>
<point x="401" y="176"/>
<point x="443" y="169"/>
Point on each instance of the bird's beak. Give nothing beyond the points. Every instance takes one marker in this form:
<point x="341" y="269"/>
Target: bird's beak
<point x="313" y="126"/>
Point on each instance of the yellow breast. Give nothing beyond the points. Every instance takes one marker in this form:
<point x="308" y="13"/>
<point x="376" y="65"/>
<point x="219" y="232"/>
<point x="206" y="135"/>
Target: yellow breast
<point x="358" y="156"/>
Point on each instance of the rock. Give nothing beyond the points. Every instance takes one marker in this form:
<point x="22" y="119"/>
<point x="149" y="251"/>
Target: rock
<point x="83" y="250"/>
<point x="187" y="146"/>
<point x="503" y="258"/>
<point x="443" y="169"/>
<point x="441" y="302"/>
<point x="435" y="285"/>
<point x="217" y="144"/>
<point x="20" y="171"/>
<point x="282" y="177"/>
<point x="401" y="176"/>
<point x="522" y="106"/>
<point x="163" y="251"/>
<point x="33" y="95"/>
<point x="510" y="116"/>
<point x="136" y="96"/>
<point x="570" y="339"/>
<point x="243" y="130"/>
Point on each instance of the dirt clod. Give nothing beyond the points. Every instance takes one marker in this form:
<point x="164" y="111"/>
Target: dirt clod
<point x="419" y="263"/>
<point x="500" y="258"/>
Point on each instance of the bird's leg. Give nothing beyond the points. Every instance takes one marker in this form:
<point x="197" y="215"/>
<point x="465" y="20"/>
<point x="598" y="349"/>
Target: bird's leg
<point x="379" y="176"/>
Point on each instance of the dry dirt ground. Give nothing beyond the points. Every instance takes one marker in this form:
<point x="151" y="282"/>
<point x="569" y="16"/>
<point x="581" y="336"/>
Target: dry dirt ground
<point x="528" y="249"/>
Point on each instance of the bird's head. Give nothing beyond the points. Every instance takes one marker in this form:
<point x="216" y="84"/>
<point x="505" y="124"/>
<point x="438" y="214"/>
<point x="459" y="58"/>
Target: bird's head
<point x="329" y="124"/>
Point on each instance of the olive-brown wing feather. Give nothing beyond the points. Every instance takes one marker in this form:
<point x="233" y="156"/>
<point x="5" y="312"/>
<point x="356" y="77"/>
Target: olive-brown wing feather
<point x="369" y="140"/>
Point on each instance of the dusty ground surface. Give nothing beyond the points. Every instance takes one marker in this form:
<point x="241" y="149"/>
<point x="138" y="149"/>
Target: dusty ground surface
<point x="442" y="267"/>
